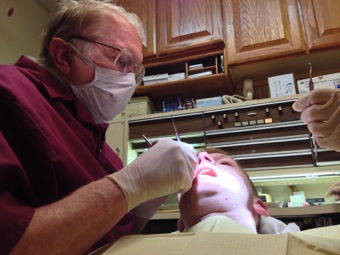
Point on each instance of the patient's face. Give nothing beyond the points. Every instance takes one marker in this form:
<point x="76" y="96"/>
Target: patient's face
<point x="218" y="188"/>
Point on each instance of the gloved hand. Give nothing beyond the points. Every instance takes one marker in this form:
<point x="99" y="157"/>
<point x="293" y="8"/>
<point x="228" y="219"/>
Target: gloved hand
<point x="165" y="168"/>
<point x="320" y="110"/>
<point x="335" y="191"/>
<point x="270" y="225"/>
<point x="147" y="209"/>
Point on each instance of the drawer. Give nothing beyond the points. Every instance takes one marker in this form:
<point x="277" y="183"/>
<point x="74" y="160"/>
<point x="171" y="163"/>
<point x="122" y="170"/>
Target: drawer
<point x="285" y="143"/>
<point x="327" y="157"/>
<point x="294" y="128"/>
<point x="252" y="115"/>
<point x="160" y="127"/>
<point x="275" y="160"/>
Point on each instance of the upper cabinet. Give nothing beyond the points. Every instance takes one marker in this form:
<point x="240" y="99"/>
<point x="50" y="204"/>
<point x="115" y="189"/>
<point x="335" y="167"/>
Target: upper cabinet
<point x="146" y="11"/>
<point x="252" y="39"/>
<point x="257" y="30"/>
<point x="322" y="23"/>
<point x="178" y="28"/>
<point x="184" y="25"/>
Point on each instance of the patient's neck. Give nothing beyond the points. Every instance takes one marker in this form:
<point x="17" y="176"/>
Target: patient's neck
<point x="242" y="216"/>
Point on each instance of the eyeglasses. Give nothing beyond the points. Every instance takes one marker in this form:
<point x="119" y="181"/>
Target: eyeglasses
<point x="124" y="61"/>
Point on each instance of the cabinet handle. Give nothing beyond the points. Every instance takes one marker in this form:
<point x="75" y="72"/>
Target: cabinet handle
<point x="166" y="117"/>
<point x="255" y="128"/>
<point x="280" y="139"/>
<point x="256" y="104"/>
<point x="273" y="155"/>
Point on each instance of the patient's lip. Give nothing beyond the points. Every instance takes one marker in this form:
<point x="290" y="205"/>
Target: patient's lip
<point x="203" y="171"/>
<point x="206" y="171"/>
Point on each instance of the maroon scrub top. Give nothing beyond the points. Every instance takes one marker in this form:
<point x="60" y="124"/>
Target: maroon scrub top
<point x="49" y="147"/>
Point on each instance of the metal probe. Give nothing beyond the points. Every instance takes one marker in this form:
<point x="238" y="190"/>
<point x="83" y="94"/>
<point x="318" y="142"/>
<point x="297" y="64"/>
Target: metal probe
<point x="173" y="124"/>
<point x="147" y="140"/>
<point x="311" y="88"/>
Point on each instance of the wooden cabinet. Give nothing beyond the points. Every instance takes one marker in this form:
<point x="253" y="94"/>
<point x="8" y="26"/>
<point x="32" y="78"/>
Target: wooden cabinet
<point x="180" y="33"/>
<point x="322" y="23"/>
<point x="257" y="30"/>
<point x="184" y="25"/>
<point x="146" y="11"/>
<point x="257" y="39"/>
<point x="215" y="84"/>
<point x="177" y="27"/>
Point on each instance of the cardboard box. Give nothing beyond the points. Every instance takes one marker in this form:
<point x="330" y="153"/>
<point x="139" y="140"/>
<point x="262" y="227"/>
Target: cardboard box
<point x="155" y="79"/>
<point x="325" y="81"/>
<point x="319" y="241"/>
<point x="197" y="75"/>
<point x="138" y="106"/>
<point x="206" y="102"/>
<point x="176" y="77"/>
<point x="282" y="85"/>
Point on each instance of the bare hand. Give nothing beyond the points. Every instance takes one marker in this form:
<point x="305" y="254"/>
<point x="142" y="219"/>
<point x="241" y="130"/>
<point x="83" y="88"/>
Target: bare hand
<point x="334" y="191"/>
<point x="320" y="110"/>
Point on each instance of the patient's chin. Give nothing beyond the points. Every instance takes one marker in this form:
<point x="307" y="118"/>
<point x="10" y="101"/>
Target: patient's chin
<point x="209" y="188"/>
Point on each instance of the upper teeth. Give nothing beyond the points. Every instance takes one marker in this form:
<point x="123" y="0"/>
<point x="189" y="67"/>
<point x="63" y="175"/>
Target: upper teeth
<point x="205" y="171"/>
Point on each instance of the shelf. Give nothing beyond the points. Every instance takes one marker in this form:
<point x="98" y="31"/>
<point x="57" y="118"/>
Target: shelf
<point x="295" y="176"/>
<point x="202" y="87"/>
<point x="304" y="211"/>
<point x="279" y="212"/>
<point x="325" y="62"/>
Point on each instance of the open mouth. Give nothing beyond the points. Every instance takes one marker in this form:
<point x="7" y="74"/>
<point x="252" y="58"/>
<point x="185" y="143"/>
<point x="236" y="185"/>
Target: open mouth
<point x="208" y="172"/>
<point x="204" y="171"/>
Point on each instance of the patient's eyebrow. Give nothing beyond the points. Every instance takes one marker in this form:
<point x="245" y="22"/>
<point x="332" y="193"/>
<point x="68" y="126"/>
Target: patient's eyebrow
<point x="222" y="158"/>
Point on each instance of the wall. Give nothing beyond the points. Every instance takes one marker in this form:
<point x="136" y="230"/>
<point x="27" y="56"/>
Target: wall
<point x="20" y="33"/>
<point x="283" y="193"/>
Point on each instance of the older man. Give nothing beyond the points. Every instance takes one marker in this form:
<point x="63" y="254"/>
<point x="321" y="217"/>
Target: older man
<point x="62" y="189"/>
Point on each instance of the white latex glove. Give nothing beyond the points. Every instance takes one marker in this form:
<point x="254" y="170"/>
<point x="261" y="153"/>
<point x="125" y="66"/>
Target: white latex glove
<point x="334" y="191"/>
<point x="165" y="168"/>
<point x="147" y="209"/>
<point x="320" y="110"/>
<point x="270" y="225"/>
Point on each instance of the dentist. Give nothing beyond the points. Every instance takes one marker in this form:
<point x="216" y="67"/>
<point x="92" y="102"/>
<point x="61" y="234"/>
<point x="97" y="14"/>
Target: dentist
<point x="62" y="189"/>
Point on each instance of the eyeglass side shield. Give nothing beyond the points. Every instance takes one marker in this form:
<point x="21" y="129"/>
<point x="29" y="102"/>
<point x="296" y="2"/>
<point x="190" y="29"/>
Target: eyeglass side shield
<point x="139" y="74"/>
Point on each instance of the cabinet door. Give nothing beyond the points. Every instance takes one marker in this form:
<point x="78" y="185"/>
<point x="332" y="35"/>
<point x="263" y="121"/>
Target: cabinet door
<point x="115" y="138"/>
<point x="188" y="24"/>
<point x="322" y="23"/>
<point x="146" y="11"/>
<point x="257" y="29"/>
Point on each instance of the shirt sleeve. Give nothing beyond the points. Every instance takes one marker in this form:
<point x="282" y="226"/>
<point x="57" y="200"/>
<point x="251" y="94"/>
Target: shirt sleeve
<point x="14" y="215"/>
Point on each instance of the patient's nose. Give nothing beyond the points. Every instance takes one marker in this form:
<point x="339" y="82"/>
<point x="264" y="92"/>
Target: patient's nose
<point x="204" y="157"/>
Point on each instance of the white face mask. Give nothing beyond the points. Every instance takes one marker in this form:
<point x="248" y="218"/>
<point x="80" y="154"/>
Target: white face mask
<point x="108" y="94"/>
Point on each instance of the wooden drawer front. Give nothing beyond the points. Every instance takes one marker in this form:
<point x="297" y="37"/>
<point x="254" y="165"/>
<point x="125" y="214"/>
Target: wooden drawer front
<point x="264" y="146"/>
<point x="272" y="161"/>
<point x="251" y="115"/>
<point x="196" y="140"/>
<point x="159" y="127"/>
<point x="327" y="157"/>
<point x="290" y="143"/>
<point x="257" y="132"/>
